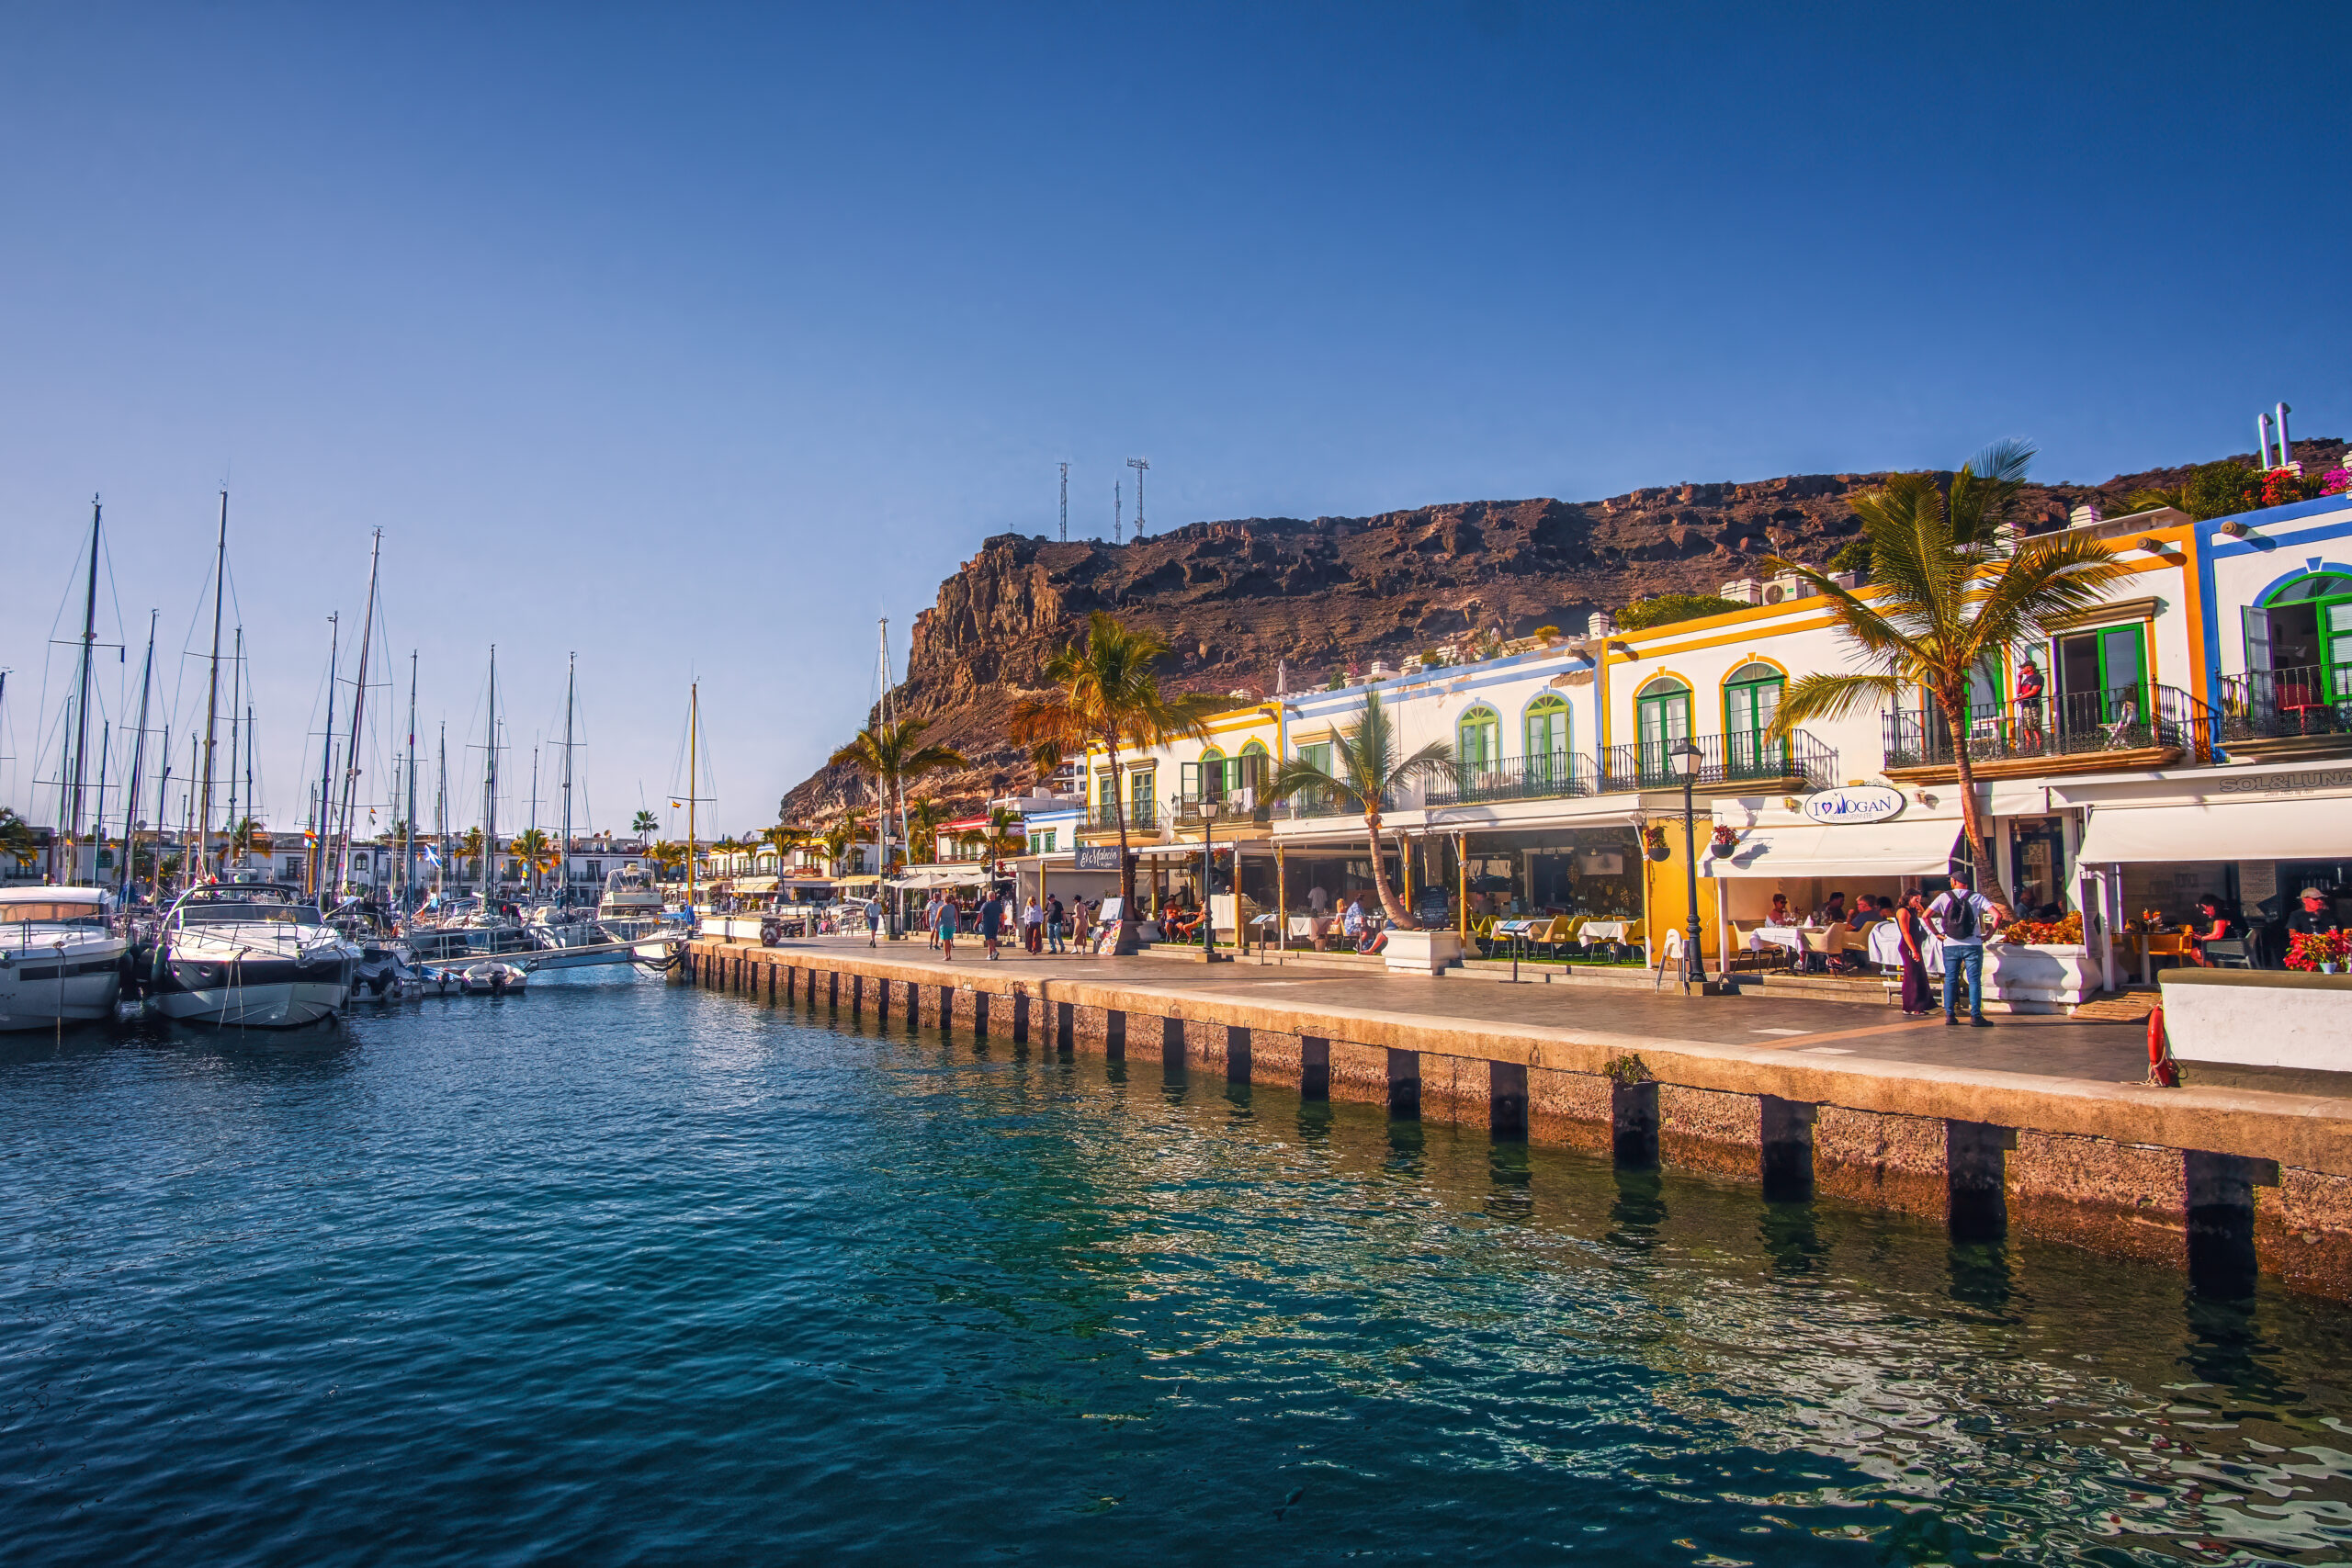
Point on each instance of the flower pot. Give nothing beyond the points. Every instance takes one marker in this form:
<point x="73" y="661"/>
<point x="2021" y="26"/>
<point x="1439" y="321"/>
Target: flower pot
<point x="1423" y="952"/>
<point x="2039" y="977"/>
<point x="2330" y="968"/>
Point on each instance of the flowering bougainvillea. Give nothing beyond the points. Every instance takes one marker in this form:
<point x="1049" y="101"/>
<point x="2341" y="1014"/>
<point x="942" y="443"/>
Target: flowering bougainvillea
<point x="2309" y="950"/>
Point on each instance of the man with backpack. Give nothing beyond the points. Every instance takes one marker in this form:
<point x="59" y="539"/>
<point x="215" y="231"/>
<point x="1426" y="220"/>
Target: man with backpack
<point x="1964" y="918"/>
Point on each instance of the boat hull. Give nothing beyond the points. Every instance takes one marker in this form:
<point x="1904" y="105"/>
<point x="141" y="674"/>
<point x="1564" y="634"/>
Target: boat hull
<point x="268" y="993"/>
<point x="36" y="996"/>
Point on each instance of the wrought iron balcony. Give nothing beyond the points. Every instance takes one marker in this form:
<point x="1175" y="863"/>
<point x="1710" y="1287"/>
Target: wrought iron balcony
<point x="1724" y="762"/>
<point x="1549" y="776"/>
<point x="1142" y="817"/>
<point x="2285" y="704"/>
<point x="2124" y="719"/>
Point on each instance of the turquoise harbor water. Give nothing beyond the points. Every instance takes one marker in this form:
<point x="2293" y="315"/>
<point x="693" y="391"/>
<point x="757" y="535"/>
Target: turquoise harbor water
<point x="620" y="1273"/>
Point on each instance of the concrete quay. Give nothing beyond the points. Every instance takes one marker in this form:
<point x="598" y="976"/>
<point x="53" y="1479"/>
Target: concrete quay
<point x="2038" y="1125"/>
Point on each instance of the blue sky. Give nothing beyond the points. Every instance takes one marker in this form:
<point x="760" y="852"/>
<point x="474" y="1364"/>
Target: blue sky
<point x="694" y="339"/>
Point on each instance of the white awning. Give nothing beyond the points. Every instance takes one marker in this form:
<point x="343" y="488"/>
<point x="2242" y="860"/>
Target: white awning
<point x="2219" y="829"/>
<point x="1905" y="847"/>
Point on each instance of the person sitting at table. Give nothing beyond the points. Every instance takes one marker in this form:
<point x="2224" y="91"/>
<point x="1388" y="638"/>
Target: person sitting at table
<point x="1831" y="912"/>
<point x="1869" y="910"/>
<point x="2219" y="926"/>
<point x="2317" y="915"/>
<point x="1779" y="915"/>
<point x="1352" y="919"/>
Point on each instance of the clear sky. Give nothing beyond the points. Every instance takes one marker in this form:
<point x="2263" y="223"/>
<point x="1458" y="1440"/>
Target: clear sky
<point x="694" y="339"/>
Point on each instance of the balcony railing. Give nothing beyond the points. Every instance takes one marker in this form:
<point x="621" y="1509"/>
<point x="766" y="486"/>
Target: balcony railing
<point x="1722" y="760"/>
<point x="2124" y="719"/>
<point x="1142" y="816"/>
<point x="2282" y="705"/>
<point x="1549" y="776"/>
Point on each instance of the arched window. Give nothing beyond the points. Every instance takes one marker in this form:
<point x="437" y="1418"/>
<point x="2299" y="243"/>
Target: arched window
<point x="1478" y="739"/>
<point x="1752" y="700"/>
<point x="1254" y="772"/>
<point x="2299" y="643"/>
<point x="1546" y="728"/>
<point x="1661" y="717"/>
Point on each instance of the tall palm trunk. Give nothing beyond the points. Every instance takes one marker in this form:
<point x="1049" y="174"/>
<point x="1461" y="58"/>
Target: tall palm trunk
<point x="1402" y="918"/>
<point x="1953" y="705"/>
<point x="1126" y="943"/>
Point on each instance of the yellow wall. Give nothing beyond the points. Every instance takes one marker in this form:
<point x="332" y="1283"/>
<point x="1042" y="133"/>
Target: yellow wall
<point x="1665" y="902"/>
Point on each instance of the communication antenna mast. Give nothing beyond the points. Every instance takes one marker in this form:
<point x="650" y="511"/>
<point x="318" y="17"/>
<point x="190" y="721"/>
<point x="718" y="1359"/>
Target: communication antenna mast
<point x="1118" y="500"/>
<point x="1141" y="466"/>
<point x="1065" y="504"/>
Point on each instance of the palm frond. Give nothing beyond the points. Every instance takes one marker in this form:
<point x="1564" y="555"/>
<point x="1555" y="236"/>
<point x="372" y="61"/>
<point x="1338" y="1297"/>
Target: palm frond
<point x="1826" y="697"/>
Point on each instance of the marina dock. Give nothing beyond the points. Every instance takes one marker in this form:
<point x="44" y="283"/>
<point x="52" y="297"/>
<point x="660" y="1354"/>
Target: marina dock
<point x="2039" y="1125"/>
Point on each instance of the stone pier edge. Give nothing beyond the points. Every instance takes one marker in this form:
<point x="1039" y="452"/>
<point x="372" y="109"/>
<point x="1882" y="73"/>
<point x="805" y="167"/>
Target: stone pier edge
<point x="2220" y="1183"/>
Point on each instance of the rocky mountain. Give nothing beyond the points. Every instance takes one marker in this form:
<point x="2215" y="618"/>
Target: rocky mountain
<point x="1236" y="600"/>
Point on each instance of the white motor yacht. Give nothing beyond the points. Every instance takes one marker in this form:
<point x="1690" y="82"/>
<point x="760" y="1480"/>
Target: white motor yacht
<point x="59" y="961"/>
<point x="251" y="955"/>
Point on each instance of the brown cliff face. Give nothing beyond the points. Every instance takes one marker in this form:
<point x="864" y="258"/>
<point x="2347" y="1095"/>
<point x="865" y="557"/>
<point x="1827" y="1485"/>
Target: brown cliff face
<point x="1235" y="599"/>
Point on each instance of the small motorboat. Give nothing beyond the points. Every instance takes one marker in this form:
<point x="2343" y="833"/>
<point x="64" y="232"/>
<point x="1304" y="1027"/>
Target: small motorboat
<point x="491" y="978"/>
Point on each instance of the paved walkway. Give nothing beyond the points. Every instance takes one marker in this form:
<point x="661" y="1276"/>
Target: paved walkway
<point x="2041" y="1045"/>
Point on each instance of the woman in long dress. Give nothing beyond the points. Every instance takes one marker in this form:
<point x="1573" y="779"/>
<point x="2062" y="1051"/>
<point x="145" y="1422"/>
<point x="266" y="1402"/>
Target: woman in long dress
<point x="1910" y="924"/>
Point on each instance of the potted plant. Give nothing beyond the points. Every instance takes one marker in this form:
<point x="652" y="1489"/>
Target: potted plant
<point x="2318" y="952"/>
<point x="2041" y="966"/>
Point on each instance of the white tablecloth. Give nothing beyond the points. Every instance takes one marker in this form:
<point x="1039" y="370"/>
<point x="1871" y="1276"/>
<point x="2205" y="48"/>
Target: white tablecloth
<point x="1886" y="947"/>
<point x="1602" y="930"/>
<point x="1763" y="937"/>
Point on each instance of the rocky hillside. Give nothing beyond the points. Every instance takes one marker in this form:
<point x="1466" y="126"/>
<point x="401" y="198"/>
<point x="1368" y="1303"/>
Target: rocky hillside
<point x="1328" y="595"/>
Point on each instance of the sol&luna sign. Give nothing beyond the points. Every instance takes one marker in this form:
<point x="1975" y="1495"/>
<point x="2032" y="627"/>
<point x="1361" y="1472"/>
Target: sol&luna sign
<point x="1854" y="803"/>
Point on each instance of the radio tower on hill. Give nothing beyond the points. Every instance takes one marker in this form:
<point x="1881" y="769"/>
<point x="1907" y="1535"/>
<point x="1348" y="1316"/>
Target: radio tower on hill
<point x="1140" y="465"/>
<point x="1118" y="503"/>
<point x="1065" y="504"/>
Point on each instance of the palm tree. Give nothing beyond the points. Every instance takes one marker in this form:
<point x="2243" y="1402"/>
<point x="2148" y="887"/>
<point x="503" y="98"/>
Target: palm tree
<point x="16" y="840"/>
<point x="783" y="839"/>
<point x="1109" y="697"/>
<point x="923" y="818"/>
<point x="644" y="826"/>
<point x="241" y="836"/>
<point x="666" y="855"/>
<point x="1366" y="773"/>
<point x="1002" y="837"/>
<point x="845" y="831"/>
<point x="1950" y="598"/>
<point x="471" y="846"/>
<point x="534" y="852"/>
<point x="891" y="754"/>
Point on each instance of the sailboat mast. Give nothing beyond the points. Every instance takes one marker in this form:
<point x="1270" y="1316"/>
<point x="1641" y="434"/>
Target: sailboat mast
<point x="236" y="702"/>
<point x="318" y="859"/>
<point x="138" y="757"/>
<point x="358" y="707"/>
<point x="81" y="702"/>
<point x="531" y="869"/>
<point x="163" y="795"/>
<point x="490" y="791"/>
<point x="694" y="725"/>
<point x="570" y="680"/>
<point x="213" y="688"/>
<point x="408" y="817"/>
<point x="98" y="817"/>
<point x="441" y="806"/>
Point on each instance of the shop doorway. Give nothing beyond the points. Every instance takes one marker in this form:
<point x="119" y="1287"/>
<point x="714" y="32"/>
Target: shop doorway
<point x="2037" y="864"/>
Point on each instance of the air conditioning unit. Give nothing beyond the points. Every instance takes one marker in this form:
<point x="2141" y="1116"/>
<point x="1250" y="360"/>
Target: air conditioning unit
<point x="1781" y="590"/>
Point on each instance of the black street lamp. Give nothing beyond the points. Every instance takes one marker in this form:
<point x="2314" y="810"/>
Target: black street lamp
<point x="1686" y="756"/>
<point x="1208" y="867"/>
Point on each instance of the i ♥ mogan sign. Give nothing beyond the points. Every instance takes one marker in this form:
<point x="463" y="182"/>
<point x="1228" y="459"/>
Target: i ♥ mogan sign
<point x="1855" y="803"/>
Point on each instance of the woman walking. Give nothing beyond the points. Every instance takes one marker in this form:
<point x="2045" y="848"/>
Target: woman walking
<point x="946" y="926"/>
<point x="1911" y="930"/>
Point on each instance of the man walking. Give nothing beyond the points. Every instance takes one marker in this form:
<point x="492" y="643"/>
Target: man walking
<point x="993" y="924"/>
<point x="1962" y="918"/>
<point x="1056" y="917"/>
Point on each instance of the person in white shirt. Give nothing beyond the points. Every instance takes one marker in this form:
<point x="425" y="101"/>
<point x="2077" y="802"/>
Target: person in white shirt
<point x="1318" y="900"/>
<point x="1964" y="918"/>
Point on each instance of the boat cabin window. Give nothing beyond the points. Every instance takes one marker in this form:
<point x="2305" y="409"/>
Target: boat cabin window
<point x="78" y="912"/>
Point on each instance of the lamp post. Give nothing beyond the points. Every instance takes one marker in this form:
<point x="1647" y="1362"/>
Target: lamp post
<point x="1208" y="866"/>
<point x="1686" y="756"/>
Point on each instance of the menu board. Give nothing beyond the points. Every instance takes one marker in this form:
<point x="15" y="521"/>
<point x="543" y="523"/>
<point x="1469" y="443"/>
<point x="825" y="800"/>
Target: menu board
<point x="2257" y="880"/>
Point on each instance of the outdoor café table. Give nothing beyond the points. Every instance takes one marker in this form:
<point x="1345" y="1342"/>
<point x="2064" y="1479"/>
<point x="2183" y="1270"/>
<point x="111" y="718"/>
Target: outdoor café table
<point x="1886" y="947"/>
<point x="1763" y="937"/>
<point x="1602" y="930"/>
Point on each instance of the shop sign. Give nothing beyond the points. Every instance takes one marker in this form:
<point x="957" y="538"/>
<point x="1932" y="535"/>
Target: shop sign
<point x="1095" y="857"/>
<point x="1854" y="803"/>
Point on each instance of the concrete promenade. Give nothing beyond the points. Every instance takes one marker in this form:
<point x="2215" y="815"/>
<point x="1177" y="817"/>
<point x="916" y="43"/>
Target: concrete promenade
<point x="2038" y="1124"/>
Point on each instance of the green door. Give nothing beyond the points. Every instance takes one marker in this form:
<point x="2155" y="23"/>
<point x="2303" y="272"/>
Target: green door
<point x="1752" y="700"/>
<point x="1661" y="717"/>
